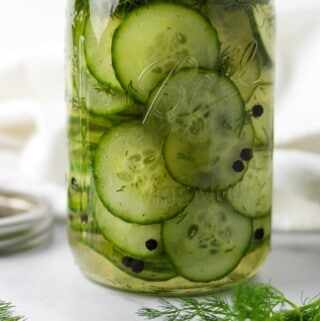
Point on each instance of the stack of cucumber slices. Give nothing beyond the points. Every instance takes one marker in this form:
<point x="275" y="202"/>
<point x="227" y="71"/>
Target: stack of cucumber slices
<point x="179" y="181"/>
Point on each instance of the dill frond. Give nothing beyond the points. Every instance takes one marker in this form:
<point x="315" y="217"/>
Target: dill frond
<point x="248" y="302"/>
<point x="7" y="314"/>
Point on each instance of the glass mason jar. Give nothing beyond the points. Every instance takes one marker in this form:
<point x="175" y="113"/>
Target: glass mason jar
<point x="170" y="136"/>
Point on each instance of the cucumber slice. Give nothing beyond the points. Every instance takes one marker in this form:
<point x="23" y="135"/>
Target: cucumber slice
<point x="98" y="40"/>
<point x="197" y="103"/>
<point x="105" y="100"/>
<point x="262" y="17"/>
<point x="104" y="94"/>
<point x="262" y="123"/>
<point x="238" y="46"/>
<point x="212" y="239"/>
<point x="137" y="240"/>
<point x="205" y="115"/>
<point x="161" y="38"/>
<point x="158" y="269"/>
<point x="131" y="178"/>
<point x="212" y="165"/>
<point x="252" y="196"/>
<point x="261" y="237"/>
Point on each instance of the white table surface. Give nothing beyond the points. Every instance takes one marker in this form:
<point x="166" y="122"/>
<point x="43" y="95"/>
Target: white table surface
<point x="45" y="284"/>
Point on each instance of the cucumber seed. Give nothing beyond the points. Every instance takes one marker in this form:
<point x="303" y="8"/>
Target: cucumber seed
<point x="192" y="231"/>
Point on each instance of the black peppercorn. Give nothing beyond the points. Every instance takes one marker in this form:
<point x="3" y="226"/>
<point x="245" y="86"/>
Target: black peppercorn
<point x="74" y="184"/>
<point x="238" y="166"/>
<point x="259" y="233"/>
<point x="257" y="110"/>
<point x="137" y="266"/>
<point x="127" y="261"/>
<point x="151" y="244"/>
<point x="246" y="154"/>
<point x="84" y="218"/>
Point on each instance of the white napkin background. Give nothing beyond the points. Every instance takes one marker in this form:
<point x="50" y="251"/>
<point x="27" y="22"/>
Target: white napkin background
<point x="33" y="116"/>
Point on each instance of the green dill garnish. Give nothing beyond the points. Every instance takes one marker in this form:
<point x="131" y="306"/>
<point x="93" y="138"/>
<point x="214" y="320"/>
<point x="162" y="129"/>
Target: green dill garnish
<point x="125" y="6"/>
<point x="230" y="5"/>
<point x="249" y="302"/>
<point x="106" y="88"/>
<point x="237" y="4"/>
<point x="79" y="225"/>
<point x="122" y="188"/>
<point x="183" y="156"/>
<point x="235" y="61"/>
<point x="7" y="314"/>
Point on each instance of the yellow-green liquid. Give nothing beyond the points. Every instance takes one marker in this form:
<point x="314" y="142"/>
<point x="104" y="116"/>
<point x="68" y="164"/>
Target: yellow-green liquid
<point x="95" y="266"/>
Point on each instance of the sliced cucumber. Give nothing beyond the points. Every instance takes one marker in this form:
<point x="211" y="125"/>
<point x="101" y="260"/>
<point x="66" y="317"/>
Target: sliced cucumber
<point x="205" y="115"/>
<point x="137" y="240"/>
<point x="158" y="269"/>
<point x="161" y="37"/>
<point x="261" y="237"/>
<point x="207" y="240"/>
<point x="131" y="178"/>
<point x="197" y="103"/>
<point x="262" y="123"/>
<point x="104" y="100"/>
<point x="252" y="196"/>
<point x="262" y="17"/>
<point x="98" y="40"/>
<point x="238" y="46"/>
<point x="104" y="94"/>
<point x="99" y="124"/>
<point x="213" y="165"/>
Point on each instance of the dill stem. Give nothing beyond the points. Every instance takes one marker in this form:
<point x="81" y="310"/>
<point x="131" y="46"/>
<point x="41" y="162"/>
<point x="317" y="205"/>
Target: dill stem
<point x="308" y="312"/>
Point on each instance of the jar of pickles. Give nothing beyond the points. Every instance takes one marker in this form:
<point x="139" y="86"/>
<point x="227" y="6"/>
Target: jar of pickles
<point x="170" y="108"/>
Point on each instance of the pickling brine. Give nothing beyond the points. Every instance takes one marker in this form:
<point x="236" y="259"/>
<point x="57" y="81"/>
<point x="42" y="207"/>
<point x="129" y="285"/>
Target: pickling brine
<point x="170" y="108"/>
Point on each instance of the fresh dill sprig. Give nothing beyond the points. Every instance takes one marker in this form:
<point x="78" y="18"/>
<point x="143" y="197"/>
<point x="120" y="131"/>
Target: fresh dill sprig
<point x="231" y="5"/>
<point x="235" y="61"/>
<point x="7" y="314"/>
<point x="237" y="4"/>
<point x="125" y="6"/>
<point x="106" y="88"/>
<point x="248" y="302"/>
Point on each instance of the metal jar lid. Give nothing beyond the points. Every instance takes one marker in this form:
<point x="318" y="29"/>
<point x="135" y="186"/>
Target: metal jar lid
<point x="25" y="220"/>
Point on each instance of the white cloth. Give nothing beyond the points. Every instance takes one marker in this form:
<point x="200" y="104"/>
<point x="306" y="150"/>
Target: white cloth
<point x="33" y="118"/>
<point x="297" y="116"/>
<point x="32" y="111"/>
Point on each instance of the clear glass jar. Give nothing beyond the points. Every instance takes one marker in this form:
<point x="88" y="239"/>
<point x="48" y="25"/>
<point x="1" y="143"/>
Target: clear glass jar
<point x="170" y="138"/>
